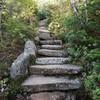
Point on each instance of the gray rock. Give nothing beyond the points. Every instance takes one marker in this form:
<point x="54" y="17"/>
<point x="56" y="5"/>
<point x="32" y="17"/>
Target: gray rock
<point x="63" y="70"/>
<point x="52" y="53"/>
<point x="30" y="48"/>
<point x="47" y="83"/>
<point x="20" y="65"/>
<point x="37" y="40"/>
<point x="51" y="60"/>
<point x="42" y="30"/>
<point x="48" y="96"/>
<point x="53" y="96"/>
<point x="52" y="47"/>
<point x="44" y="36"/>
<point x="51" y="42"/>
<point x="42" y="23"/>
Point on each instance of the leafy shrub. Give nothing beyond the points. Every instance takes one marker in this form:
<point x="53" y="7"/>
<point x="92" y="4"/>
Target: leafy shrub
<point x="19" y="30"/>
<point x="41" y="15"/>
<point x="15" y="88"/>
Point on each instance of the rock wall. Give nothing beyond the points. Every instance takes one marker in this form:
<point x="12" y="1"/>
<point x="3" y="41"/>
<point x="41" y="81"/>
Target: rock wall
<point x="20" y="65"/>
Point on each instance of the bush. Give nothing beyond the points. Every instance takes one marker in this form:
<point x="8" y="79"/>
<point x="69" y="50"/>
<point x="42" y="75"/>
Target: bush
<point x="41" y="15"/>
<point x="19" y="30"/>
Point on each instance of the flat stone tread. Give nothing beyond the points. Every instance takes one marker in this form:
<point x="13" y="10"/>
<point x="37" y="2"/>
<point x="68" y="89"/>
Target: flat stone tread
<point x="58" y="42"/>
<point x="51" y="60"/>
<point x="54" y="47"/>
<point x="52" y="53"/>
<point x="43" y="30"/>
<point x="42" y="23"/>
<point x="64" y="66"/>
<point x="42" y="80"/>
<point x="49" y="96"/>
<point x="50" y="70"/>
<point x="45" y="36"/>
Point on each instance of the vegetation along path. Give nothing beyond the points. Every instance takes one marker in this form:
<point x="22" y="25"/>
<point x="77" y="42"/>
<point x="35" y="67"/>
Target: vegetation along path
<point x="61" y="56"/>
<point x="51" y="77"/>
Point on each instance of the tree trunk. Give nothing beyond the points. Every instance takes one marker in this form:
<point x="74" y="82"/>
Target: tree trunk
<point x="76" y="12"/>
<point x="12" y="8"/>
<point x="86" y="12"/>
<point x="73" y="5"/>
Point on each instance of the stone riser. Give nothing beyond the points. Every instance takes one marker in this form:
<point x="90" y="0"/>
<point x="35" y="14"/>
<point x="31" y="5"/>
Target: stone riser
<point x="62" y="70"/>
<point x="53" y="96"/>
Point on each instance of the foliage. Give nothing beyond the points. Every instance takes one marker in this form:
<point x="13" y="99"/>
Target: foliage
<point x="81" y="35"/>
<point x="19" y="23"/>
<point x="19" y="30"/>
<point x="94" y="16"/>
<point x="15" y="88"/>
<point x="80" y="32"/>
<point x="41" y="14"/>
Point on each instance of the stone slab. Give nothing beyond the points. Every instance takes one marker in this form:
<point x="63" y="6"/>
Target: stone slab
<point x="51" y="60"/>
<point x="65" y="69"/>
<point x="52" y="47"/>
<point x="46" y="83"/>
<point x="52" y="53"/>
<point x="51" y="42"/>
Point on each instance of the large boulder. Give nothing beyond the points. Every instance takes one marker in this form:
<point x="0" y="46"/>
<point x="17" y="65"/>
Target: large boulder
<point x="20" y="65"/>
<point x="30" y="48"/>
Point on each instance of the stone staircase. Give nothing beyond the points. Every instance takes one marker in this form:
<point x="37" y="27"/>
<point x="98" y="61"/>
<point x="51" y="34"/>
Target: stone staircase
<point x="52" y="78"/>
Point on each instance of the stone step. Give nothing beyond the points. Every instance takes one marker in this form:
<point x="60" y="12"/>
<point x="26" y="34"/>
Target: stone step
<point x="52" y="53"/>
<point x="52" y="47"/>
<point x="51" y="42"/>
<point x="42" y="27"/>
<point x="51" y="60"/>
<point x="41" y="30"/>
<point x="45" y="36"/>
<point x="65" y="69"/>
<point x="53" y="96"/>
<point x="47" y="83"/>
<point x="42" y="23"/>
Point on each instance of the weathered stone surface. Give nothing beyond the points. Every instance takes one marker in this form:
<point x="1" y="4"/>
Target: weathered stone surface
<point x="19" y="66"/>
<point x="52" y="47"/>
<point x="42" y="30"/>
<point x="46" y="83"/>
<point x="52" y="53"/>
<point x="45" y="36"/>
<point x="53" y="96"/>
<point x="37" y="40"/>
<point x="30" y="48"/>
<point x="55" y="69"/>
<point x="51" y="60"/>
<point x="48" y="96"/>
<point x="51" y="42"/>
<point x="42" y="23"/>
<point x="42" y="27"/>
